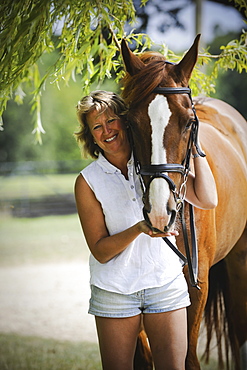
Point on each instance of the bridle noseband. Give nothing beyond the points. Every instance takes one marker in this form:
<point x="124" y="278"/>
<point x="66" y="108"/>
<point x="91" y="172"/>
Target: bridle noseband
<point x="160" y="171"/>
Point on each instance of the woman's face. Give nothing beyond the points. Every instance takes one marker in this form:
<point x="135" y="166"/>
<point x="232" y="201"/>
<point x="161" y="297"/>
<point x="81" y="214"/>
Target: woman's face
<point x="108" y="131"/>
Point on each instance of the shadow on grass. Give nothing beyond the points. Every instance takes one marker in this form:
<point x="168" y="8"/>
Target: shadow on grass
<point x="29" y="353"/>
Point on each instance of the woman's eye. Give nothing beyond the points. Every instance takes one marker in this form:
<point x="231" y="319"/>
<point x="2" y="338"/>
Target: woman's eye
<point x="111" y="120"/>
<point x="108" y="122"/>
<point x="97" y="127"/>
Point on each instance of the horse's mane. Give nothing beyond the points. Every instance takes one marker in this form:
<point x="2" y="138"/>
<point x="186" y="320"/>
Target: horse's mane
<point x="137" y="87"/>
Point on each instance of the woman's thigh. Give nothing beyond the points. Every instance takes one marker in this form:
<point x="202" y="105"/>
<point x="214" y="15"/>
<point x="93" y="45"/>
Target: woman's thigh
<point x="117" y="341"/>
<point x="167" y="334"/>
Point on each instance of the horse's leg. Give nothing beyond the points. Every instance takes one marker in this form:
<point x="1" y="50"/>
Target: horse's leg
<point x="228" y="283"/>
<point x="195" y="313"/>
<point x="206" y="253"/>
<point x="236" y="262"/>
<point x="143" y="358"/>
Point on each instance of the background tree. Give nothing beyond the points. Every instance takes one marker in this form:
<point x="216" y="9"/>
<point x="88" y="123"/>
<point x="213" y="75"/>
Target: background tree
<point x="58" y="151"/>
<point x="230" y="85"/>
<point x="171" y="10"/>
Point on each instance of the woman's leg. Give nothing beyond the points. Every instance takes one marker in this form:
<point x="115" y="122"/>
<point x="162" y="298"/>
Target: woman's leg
<point x="167" y="334"/>
<point x="117" y="341"/>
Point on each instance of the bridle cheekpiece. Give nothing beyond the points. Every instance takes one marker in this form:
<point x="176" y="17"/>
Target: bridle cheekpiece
<point x="155" y="171"/>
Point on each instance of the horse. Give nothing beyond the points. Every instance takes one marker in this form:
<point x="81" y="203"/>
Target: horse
<point x="157" y="91"/>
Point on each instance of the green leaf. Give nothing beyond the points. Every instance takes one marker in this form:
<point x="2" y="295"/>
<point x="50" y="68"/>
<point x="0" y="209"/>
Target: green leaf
<point x="87" y="47"/>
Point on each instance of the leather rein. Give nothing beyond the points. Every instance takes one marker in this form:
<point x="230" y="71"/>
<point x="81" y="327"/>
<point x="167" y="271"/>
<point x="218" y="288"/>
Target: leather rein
<point x="161" y="171"/>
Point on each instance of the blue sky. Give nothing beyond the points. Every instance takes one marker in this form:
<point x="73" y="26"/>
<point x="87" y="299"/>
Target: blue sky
<point x="226" y="18"/>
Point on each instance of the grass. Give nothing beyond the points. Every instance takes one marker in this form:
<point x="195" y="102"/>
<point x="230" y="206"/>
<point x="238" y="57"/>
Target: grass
<point x="41" y="240"/>
<point x="33" y="186"/>
<point x="29" y="353"/>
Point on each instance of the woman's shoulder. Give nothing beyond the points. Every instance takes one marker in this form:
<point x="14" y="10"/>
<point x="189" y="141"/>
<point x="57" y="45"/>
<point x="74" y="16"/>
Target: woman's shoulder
<point x="92" y="169"/>
<point x="91" y="173"/>
<point x="89" y="167"/>
<point x="80" y="182"/>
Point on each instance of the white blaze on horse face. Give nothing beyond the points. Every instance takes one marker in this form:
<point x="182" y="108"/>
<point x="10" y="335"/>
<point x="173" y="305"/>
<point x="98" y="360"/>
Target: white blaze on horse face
<point x="159" y="193"/>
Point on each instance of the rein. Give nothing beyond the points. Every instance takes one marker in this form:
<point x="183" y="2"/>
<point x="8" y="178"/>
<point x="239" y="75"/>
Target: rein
<point x="160" y="171"/>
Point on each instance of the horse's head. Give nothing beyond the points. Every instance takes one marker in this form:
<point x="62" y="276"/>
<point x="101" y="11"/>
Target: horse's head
<point x="161" y="115"/>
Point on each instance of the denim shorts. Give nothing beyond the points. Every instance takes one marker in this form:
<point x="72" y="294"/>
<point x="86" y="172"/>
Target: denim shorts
<point x="169" y="297"/>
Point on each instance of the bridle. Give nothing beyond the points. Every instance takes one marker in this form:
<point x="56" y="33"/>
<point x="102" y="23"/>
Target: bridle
<point x="161" y="171"/>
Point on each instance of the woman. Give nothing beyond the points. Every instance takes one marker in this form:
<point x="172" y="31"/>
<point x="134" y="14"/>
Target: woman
<point x="134" y="274"/>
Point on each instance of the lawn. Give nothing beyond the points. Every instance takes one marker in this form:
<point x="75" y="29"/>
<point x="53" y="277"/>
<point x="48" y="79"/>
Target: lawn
<point x="37" y="195"/>
<point x="41" y="240"/>
<point x="33" y="186"/>
<point x="29" y="353"/>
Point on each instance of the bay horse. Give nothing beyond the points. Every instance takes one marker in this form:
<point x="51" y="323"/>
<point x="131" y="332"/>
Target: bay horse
<point x="162" y="116"/>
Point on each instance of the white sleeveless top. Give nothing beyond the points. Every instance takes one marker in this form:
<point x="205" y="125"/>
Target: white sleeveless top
<point x="147" y="262"/>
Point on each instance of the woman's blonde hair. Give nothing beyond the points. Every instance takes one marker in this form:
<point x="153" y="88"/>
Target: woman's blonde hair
<point x="101" y="101"/>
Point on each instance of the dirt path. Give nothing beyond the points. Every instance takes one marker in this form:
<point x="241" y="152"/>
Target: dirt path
<point x="48" y="300"/>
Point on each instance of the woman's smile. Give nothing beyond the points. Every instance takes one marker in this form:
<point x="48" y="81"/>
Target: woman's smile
<point x="111" y="138"/>
<point x="108" y="131"/>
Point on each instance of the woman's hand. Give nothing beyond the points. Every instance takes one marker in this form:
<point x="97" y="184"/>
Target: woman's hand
<point x="201" y="187"/>
<point x="154" y="233"/>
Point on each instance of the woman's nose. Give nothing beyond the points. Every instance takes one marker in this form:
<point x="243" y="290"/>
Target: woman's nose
<point x="106" y="128"/>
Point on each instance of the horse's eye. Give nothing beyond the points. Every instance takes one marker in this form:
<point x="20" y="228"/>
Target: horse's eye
<point x="188" y="125"/>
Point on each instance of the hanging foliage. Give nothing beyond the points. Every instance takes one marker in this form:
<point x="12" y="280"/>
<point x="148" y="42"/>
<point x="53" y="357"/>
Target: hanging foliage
<point x="87" y="35"/>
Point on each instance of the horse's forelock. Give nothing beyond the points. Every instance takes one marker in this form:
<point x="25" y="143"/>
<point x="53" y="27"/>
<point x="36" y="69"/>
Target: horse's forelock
<point x="139" y="86"/>
<point x="150" y="56"/>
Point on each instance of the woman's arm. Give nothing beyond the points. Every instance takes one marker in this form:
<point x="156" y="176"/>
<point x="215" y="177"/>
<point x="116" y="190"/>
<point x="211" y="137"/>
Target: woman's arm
<point x="103" y="246"/>
<point x="201" y="187"/>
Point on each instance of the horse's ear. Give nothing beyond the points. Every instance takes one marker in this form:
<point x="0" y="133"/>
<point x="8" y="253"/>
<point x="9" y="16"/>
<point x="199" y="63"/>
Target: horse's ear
<point x="132" y="63"/>
<point x="186" y="65"/>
